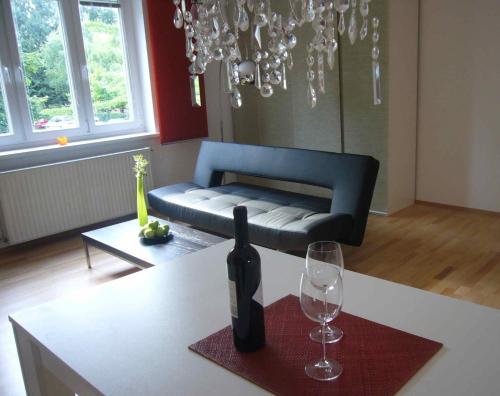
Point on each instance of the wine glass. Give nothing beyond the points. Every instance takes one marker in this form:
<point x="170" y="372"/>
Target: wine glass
<point x="321" y="301"/>
<point x="320" y="254"/>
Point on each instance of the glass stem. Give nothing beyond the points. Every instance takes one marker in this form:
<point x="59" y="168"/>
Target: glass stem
<point x="323" y="327"/>
<point x="325" y="302"/>
<point x="323" y="341"/>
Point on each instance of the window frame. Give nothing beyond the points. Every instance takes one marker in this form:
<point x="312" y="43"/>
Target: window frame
<point x="20" y="123"/>
<point x="10" y="74"/>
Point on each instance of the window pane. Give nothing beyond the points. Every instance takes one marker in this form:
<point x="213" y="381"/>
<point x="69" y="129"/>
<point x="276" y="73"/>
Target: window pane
<point x="45" y="64"/>
<point x="106" y="62"/>
<point x="4" y="126"/>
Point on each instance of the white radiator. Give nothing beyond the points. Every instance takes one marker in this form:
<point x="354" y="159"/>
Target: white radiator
<point x="44" y="200"/>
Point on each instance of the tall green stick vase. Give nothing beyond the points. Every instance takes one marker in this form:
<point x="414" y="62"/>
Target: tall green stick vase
<point x="140" y="171"/>
<point x="142" y="209"/>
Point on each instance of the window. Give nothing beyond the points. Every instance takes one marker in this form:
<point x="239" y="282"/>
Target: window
<point x="68" y="68"/>
<point x="4" y="125"/>
<point x="105" y="54"/>
<point x="44" y="61"/>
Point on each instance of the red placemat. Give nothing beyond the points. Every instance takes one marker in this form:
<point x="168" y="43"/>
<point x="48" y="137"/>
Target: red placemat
<point x="377" y="360"/>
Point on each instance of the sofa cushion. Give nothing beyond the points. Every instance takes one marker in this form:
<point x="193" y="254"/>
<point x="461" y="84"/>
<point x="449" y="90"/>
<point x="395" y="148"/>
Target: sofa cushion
<point x="280" y="219"/>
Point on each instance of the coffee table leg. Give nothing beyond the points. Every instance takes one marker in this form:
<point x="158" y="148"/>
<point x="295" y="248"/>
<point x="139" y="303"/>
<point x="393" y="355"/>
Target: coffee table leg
<point x="87" y="255"/>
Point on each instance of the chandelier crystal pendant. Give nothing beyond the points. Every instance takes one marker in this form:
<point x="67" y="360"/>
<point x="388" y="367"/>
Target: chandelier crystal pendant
<point x="213" y="29"/>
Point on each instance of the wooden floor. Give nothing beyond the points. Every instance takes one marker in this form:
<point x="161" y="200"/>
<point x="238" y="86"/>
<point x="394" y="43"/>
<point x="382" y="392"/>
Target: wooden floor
<point x="454" y="252"/>
<point x="447" y="251"/>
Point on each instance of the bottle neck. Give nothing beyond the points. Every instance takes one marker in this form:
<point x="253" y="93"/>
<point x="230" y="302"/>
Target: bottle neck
<point x="240" y="228"/>
<point x="241" y="238"/>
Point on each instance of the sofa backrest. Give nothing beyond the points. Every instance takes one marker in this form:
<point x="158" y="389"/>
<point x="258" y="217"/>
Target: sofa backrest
<point x="351" y="177"/>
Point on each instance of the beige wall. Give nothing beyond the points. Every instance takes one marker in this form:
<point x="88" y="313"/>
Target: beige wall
<point x="402" y="103"/>
<point x="459" y="103"/>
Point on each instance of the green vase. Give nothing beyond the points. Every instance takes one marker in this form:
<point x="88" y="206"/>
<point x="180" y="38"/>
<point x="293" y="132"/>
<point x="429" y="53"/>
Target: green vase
<point x="142" y="209"/>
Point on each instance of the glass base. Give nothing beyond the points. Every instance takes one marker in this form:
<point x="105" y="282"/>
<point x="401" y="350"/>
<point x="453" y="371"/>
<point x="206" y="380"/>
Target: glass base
<point x="333" y="334"/>
<point x="324" y="370"/>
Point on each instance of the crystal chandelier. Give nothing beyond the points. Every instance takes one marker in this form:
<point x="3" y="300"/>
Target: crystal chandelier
<point x="213" y="30"/>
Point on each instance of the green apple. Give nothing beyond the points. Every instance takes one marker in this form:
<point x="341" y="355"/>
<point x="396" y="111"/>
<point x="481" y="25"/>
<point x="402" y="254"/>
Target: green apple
<point x="149" y="233"/>
<point x="143" y="230"/>
<point x="154" y="224"/>
<point x="159" y="232"/>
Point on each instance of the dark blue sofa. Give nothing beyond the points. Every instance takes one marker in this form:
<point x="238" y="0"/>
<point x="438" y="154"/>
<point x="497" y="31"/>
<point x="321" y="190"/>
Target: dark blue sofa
<point x="277" y="219"/>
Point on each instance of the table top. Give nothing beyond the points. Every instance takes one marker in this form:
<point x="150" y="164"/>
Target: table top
<point x="122" y="240"/>
<point x="131" y="336"/>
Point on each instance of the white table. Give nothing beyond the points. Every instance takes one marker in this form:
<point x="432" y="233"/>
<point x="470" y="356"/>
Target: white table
<point x="130" y="336"/>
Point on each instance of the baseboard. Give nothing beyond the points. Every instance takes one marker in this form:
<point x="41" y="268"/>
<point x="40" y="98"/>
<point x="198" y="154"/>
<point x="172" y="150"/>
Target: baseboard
<point x="378" y="213"/>
<point x="455" y="207"/>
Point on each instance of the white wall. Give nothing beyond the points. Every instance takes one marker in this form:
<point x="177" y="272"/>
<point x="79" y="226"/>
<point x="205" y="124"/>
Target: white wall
<point x="459" y="103"/>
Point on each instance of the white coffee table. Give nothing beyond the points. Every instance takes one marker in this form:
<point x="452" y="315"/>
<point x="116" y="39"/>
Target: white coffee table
<point x="131" y="336"/>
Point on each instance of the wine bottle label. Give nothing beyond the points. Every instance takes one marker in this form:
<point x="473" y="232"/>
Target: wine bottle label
<point x="233" y="301"/>
<point x="258" y="295"/>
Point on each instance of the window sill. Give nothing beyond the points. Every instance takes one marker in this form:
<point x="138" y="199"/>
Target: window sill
<point x="75" y="146"/>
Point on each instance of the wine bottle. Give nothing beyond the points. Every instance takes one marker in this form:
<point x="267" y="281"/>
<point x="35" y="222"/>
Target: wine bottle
<point x="245" y="288"/>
